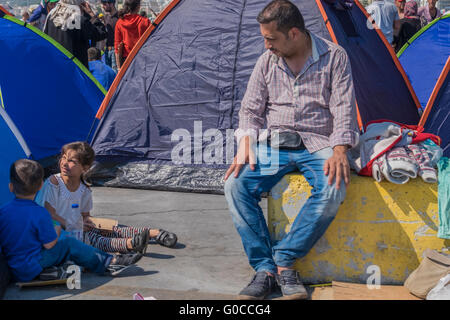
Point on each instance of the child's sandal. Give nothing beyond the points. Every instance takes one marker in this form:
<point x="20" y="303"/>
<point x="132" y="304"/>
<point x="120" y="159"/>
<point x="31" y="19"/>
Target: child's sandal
<point x="166" y="238"/>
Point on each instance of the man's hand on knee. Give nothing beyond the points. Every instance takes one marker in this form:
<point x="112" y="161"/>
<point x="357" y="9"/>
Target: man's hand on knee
<point x="244" y="155"/>
<point x="338" y="166"/>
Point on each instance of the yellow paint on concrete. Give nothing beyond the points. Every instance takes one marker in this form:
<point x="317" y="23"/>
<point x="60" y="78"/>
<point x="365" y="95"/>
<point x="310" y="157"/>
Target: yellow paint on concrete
<point x="381" y="224"/>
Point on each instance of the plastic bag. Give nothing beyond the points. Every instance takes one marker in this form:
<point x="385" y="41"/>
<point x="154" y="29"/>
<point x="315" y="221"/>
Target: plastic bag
<point x="441" y="291"/>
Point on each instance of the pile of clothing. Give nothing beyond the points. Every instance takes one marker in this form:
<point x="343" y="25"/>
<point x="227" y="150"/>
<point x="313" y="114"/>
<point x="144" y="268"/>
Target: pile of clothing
<point x="396" y="152"/>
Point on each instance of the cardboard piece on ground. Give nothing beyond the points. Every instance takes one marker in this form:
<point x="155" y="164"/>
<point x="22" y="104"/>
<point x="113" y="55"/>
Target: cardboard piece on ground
<point x="322" y="293"/>
<point x="41" y="283"/>
<point x="356" y="291"/>
<point x="104" y="223"/>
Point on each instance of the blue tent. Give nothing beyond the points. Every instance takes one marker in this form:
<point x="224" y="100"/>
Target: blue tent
<point x="436" y="117"/>
<point x="48" y="94"/>
<point x="189" y="71"/>
<point x="424" y="56"/>
<point x="13" y="147"/>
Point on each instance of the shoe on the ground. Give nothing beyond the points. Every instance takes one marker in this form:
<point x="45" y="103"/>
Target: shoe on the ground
<point x="122" y="262"/>
<point x="166" y="238"/>
<point x="126" y="259"/>
<point x="115" y="269"/>
<point x="291" y="286"/>
<point x="53" y="273"/>
<point x="140" y="241"/>
<point x="259" y="287"/>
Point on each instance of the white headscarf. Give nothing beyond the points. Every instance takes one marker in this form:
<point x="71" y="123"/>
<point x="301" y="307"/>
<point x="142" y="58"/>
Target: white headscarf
<point x="66" y="14"/>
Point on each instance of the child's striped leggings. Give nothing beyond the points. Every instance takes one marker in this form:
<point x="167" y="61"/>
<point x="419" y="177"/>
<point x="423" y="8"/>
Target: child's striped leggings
<point x="114" y="241"/>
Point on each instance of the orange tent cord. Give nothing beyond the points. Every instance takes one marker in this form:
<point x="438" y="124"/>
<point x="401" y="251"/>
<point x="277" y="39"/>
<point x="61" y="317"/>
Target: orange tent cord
<point x="327" y="23"/>
<point x="393" y="55"/>
<point x="434" y="94"/>
<point x="131" y="56"/>
<point x="333" y="37"/>
<point x="358" y="116"/>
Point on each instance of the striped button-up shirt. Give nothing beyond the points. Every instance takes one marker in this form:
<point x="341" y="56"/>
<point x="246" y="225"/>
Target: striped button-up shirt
<point x="318" y="103"/>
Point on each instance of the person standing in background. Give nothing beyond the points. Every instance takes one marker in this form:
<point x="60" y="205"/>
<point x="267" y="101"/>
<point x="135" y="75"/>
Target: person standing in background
<point x="75" y="26"/>
<point x="400" y="4"/>
<point x="110" y="17"/>
<point x="39" y="14"/>
<point x="101" y="45"/>
<point x="386" y="17"/>
<point x="409" y="25"/>
<point x="429" y="13"/>
<point x="129" y="28"/>
<point x="102" y="72"/>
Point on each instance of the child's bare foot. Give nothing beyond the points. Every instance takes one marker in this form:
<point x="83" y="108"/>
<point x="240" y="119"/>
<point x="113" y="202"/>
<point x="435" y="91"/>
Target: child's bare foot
<point x="129" y="244"/>
<point x="153" y="233"/>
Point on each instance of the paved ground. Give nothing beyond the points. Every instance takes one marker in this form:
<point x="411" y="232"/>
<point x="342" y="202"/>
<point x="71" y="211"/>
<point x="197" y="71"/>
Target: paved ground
<point x="208" y="263"/>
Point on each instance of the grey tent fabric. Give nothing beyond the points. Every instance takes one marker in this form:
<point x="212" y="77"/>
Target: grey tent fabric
<point x="189" y="77"/>
<point x="194" y="67"/>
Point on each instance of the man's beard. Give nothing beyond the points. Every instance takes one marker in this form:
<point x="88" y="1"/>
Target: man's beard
<point x="275" y="51"/>
<point x="279" y="53"/>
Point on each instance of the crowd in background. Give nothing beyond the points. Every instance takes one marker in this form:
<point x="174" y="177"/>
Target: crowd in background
<point x="400" y="20"/>
<point x="101" y="41"/>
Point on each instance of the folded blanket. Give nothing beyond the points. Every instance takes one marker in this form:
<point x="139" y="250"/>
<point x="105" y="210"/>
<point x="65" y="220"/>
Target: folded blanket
<point x="395" y="166"/>
<point x="396" y="152"/>
<point x="377" y="173"/>
<point x="426" y="170"/>
<point x="400" y="164"/>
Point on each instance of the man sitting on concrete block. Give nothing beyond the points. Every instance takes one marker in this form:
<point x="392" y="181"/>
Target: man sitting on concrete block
<point x="302" y="88"/>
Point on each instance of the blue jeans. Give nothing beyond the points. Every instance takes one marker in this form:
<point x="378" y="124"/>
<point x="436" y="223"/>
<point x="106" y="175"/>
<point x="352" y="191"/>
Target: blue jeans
<point x="244" y="193"/>
<point x="110" y="59"/>
<point x="68" y="248"/>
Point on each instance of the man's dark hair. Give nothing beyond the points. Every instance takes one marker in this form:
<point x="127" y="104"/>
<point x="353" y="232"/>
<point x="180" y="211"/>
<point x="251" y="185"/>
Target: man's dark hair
<point x="94" y="54"/>
<point x="26" y="177"/>
<point x="285" y="13"/>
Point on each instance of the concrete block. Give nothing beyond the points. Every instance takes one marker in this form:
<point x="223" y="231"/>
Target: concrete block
<point x="379" y="224"/>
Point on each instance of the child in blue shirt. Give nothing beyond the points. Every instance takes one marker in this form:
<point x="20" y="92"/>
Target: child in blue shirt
<point x="28" y="239"/>
<point x="102" y="72"/>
